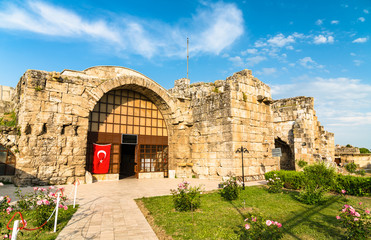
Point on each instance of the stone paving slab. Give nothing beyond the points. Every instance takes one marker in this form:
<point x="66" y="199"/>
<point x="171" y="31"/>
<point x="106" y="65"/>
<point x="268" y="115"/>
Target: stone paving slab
<point x="108" y="210"/>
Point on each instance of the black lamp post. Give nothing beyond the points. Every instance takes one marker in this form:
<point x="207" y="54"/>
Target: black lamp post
<point x="242" y="150"/>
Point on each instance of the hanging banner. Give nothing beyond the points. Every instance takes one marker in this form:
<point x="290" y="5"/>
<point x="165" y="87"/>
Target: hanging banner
<point x="101" y="158"/>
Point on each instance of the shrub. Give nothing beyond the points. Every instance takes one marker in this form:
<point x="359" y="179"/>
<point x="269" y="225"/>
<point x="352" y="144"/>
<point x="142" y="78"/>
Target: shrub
<point x="358" y="186"/>
<point x="258" y="227"/>
<point x="186" y="198"/>
<point x="351" y="167"/>
<point x="275" y="184"/>
<point x="291" y="179"/>
<point x="302" y="163"/>
<point x="318" y="179"/>
<point x="364" y="150"/>
<point x="361" y="172"/>
<point x="356" y="221"/>
<point x="231" y="189"/>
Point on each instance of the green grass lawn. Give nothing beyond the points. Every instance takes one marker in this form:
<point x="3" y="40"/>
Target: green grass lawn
<point x="63" y="217"/>
<point x="220" y="219"/>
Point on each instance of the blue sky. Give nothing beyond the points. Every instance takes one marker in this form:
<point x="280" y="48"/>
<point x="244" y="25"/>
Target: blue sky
<point x="300" y="48"/>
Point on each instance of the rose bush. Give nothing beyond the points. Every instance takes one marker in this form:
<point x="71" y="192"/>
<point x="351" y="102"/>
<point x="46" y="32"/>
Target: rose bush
<point x="356" y="221"/>
<point x="186" y="198"/>
<point x="258" y="227"/>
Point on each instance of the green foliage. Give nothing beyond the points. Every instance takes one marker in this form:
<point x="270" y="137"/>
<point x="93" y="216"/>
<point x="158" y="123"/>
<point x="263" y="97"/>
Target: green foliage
<point x="216" y="90"/>
<point x="244" y="96"/>
<point x="356" y="221"/>
<point x="258" y="227"/>
<point x="364" y="150"/>
<point x="318" y="179"/>
<point x="9" y="119"/>
<point x="275" y="184"/>
<point x="291" y="179"/>
<point x="351" y="167"/>
<point x="231" y="190"/>
<point x="348" y="146"/>
<point x="358" y="186"/>
<point x="186" y="198"/>
<point x="361" y="172"/>
<point x="302" y="163"/>
<point x="38" y="88"/>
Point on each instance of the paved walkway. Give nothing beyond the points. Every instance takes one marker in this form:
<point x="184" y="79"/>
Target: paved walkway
<point x="108" y="210"/>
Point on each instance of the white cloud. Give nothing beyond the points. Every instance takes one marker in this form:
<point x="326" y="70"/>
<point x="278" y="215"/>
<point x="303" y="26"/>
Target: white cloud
<point x="357" y="62"/>
<point x="250" y="51"/>
<point x="280" y="40"/>
<point x="339" y="101"/>
<point x="309" y="63"/>
<point x="360" y="40"/>
<point x="335" y="22"/>
<point x="352" y="54"/>
<point x="319" y="22"/>
<point x="365" y="11"/>
<point x="267" y="71"/>
<point x="251" y="61"/>
<point x="290" y="48"/>
<point x="212" y="29"/>
<point x="361" y="19"/>
<point x="321" y="39"/>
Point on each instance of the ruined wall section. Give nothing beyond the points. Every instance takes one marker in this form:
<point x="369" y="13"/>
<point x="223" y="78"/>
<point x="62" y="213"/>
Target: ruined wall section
<point x="296" y="123"/>
<point x="53" y="122"/>
<point x="219" y="118"/>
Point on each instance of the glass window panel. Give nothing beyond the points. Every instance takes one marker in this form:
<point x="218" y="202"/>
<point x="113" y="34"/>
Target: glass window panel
<point x="110" y="98"/>
<point x="136" y="120"/>
<point x="129" y="130"/>
<point x="131" y="94"/>
<point x="109" y="108"/>
<point x="148" y="131"/>
<point x="3" y="157"/>
<point x="103" y="107"/>
<point x="124" y="101"/>
<point x="130" y="120"/>
<point x="137" y="103"/>
<point x="2" y="169"/>
<point x="116" y="128"/>
<point x="136" y="112"/>
<point x="123" y="119"/>
<point x="94" y="127"/>
<point x="117" y="118"/>
<point x="94" y="116"/>
<point x="148" y="122"/>
<point x="109" y="128"/>
<point x="164" y="132"/>
<point x="124" y="93"/>
<point x="117" y="100"/>
<point x="143" y="103"/>
<point x="116" y="109"/>
<point x="159" y="123"/>
<point x="124" y="110"/>
<point x="130" y="111"/>
<point x="142" y="131"/>
<point x="102" y="117"/>
<point x="154" y="131"/>
<point x="110" y="118"/>
<point x="130" y="102"/>
<point x="102" y="127"/>
<point x="123" y="129"/>
<point x="96" y="108"/>
<point x="154" y="114"/>
<point x="154" y="123"/>
<point x="159" y="132"/>
<point x="142" y="112"/>
<point x="136" y="130"/>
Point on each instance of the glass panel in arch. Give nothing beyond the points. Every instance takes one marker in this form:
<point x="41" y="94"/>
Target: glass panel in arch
<point x="3" y="157"/>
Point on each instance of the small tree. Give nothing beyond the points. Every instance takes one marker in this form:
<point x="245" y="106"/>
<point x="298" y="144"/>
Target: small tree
<point x="364" y="150"/>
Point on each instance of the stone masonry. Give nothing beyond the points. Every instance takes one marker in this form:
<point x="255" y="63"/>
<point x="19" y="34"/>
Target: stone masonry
<point x="206" y="123"/>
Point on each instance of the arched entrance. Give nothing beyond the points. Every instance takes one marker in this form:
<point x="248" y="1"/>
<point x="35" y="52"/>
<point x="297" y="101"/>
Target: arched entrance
<point x="135" y="127"/>
<point x="287" y="160"/>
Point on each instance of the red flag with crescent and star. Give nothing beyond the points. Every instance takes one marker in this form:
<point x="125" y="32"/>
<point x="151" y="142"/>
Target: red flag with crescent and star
<point x="101" y="158"/>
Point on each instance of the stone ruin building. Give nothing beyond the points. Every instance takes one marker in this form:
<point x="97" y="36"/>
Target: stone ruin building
<point x="349" y="154"/>
<point x="192" y="129"/>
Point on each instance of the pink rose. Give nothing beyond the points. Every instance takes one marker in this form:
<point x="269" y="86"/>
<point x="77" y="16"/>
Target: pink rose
<point x="46" y="202"/>
<point x="360" y="203"/>
<point x="1" y="198"/>
<point x="338" y="217"/>
<point x="253" y="219"/>
<point x="344" y="210"/>
<point x="246" y="219"/>
<point x="356" y="219"/>
<point x="343" y="191"/>
<point x="39" y="202"/>
<point x="8" y="199"/>
<point x="247" y="226"/>
<point x="279" y="225"/>
<point x="35" y="188"/>
<point x="268" y="222"/>
<point x="367" y="211"/>
<point x="65" y="207"/>
<point x="357" y="214"/>
<point x="51" y="187"/>
<point x="346" y="205"/>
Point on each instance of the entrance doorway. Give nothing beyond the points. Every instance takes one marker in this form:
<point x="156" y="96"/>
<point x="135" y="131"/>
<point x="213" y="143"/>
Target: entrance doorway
<point x="287" y="160"/>
<point x="127" y="165"/>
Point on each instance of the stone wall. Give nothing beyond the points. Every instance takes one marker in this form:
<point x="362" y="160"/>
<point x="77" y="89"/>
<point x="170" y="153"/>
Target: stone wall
<point x="296" y="123"/>
<point x="221" y="117"/>
<point x="361" y="160"/>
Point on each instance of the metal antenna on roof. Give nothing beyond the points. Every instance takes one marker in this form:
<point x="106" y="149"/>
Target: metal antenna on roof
<point x="187" y="56"/>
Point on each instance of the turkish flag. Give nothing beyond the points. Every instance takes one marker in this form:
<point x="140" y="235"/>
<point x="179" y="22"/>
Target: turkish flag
<point x="101" y="158"/>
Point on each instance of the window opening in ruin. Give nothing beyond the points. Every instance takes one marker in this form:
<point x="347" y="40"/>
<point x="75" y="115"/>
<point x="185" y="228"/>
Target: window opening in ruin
<point x="153" y="158"/>
<point x="7" y="161"/>
<point x="287" y="160"/>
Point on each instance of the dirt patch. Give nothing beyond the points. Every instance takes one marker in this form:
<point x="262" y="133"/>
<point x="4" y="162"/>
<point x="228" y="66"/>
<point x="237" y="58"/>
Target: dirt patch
<point x="160" y="233"/>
